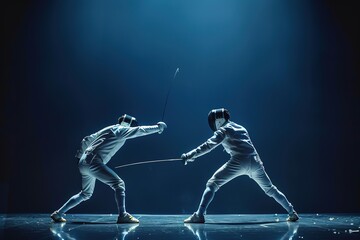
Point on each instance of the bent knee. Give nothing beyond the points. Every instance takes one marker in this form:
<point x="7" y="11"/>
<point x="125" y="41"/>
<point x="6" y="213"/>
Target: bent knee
<point x="118" y="185"/>
<point x="85" y="195"/>
<point x="212" y="186"/>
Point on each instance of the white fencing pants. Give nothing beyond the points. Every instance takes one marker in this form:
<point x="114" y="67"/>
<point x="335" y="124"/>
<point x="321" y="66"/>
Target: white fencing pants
<point x="251" y="166"/>
<point x="91" y="169"/>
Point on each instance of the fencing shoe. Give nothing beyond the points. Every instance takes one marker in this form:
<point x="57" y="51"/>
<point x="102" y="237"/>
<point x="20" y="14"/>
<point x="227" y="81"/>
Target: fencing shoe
<point x="127" y="218"/>
<point x="293" y="217"/>
<point x="195" y="218"/>
<point x="57" y="217"/>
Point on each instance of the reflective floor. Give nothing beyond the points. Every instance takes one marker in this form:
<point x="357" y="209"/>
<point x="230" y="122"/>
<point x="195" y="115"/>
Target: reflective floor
<point x="244" y="226"/>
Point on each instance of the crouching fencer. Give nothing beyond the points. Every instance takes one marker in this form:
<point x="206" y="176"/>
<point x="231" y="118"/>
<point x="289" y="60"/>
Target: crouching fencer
<point x="244" y="160"/>
<point x="95" y="152"/>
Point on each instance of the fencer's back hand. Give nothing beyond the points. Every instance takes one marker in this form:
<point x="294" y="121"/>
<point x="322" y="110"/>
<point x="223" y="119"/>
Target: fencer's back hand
<point x="162" y="126"/>
<point x="186" y="158"/>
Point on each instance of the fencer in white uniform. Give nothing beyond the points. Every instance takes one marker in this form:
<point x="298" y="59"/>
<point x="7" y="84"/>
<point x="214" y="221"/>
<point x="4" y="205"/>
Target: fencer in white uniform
<point x="244" y="160"/>
<point x="95" y="152"/>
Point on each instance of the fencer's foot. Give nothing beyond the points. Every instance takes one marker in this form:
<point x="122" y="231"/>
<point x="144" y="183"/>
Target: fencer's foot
<point x="293" y="217"/>
<point x="57" y="217"/>
<point x="127" y="218"/>
<point x="195" y="218"/>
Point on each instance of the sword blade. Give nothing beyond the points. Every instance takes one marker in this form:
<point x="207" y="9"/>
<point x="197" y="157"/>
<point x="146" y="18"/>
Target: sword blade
<point x="152" y="161"/>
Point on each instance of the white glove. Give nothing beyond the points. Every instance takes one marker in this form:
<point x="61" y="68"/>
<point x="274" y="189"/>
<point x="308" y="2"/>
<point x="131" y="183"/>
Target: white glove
<point x="162" y="126"/>
<point x="188" y="157"/>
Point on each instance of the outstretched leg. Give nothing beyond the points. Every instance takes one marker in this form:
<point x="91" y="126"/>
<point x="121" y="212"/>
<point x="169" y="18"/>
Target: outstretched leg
<point x="259" y="175"/>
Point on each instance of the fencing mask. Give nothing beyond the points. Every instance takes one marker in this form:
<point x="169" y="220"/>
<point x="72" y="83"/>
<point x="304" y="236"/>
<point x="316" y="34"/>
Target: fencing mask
<point x="217" y="118"/>
<point x="128" y="121"/>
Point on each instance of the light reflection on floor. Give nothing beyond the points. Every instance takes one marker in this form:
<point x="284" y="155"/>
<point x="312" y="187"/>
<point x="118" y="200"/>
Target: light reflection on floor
<point x="234" y="226"/>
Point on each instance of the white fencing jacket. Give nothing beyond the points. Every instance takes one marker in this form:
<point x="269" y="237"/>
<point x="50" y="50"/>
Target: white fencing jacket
<point x="106" y="142"/>
<point x="234" y="138"/>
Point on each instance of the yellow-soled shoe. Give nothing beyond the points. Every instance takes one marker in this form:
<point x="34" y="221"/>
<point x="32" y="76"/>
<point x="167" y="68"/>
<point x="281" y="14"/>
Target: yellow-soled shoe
<point x="195" y="218"/>
<point x="293" y="217"/>
<point x="127" y="218"/>
<point x="57" y="217"/>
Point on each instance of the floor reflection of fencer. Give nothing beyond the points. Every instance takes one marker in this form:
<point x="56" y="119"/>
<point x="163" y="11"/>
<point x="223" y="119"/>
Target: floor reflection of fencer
<point x="124" y="230"/>
<point x="292" y="230"/>
<point x="200" y="231"/>
<point x="60" y="231"/>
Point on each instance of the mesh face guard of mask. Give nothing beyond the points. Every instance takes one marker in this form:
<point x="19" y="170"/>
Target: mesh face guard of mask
<point x="217" y="118"/>
<point x="128" y="121"/>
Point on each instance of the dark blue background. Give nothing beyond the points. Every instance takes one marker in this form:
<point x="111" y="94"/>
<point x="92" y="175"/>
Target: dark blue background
<point x="287" y="70"/>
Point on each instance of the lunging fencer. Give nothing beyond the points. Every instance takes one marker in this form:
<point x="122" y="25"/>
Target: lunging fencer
<point x="95" y="152"/>
<point x="244" y="160"/>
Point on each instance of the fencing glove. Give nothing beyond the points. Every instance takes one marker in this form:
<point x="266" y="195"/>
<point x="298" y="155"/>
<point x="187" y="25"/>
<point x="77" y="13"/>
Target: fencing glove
<point x="188" y="157"/>
<point x="162" y="126"/>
